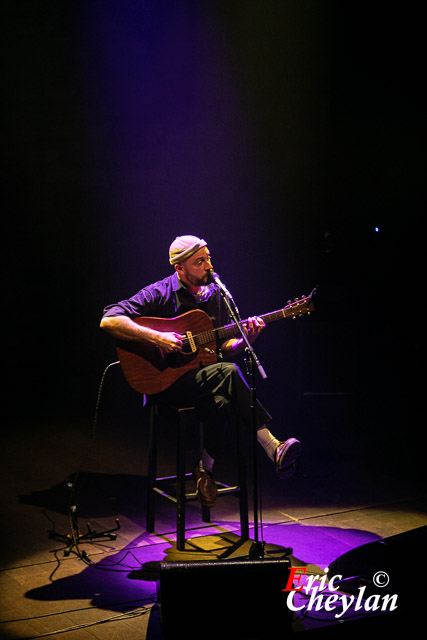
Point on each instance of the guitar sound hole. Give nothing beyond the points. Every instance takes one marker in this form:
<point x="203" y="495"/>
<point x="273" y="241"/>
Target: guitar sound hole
<point x="181" y="358"/>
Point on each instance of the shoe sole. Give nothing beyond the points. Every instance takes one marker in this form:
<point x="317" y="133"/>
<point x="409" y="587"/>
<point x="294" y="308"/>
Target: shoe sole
<point x="291" y="453"/>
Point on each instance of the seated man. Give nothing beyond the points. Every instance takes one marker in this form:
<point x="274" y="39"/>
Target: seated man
<point x="218" y="391"/>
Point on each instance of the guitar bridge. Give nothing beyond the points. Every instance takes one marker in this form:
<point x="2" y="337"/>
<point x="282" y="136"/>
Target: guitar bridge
<point x="191" y="341"/>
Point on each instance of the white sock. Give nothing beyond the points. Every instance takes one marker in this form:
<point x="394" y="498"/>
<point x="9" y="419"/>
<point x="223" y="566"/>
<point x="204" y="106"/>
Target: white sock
<point x="206" y="462"/>
<point x="268" y="442"/>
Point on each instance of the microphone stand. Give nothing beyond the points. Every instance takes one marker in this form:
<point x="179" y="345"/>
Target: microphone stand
<point x="256" y="551"/>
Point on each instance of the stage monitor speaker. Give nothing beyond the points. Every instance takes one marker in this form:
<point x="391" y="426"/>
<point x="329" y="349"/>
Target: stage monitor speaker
<point x="401" y="557"/>
<point x="231" y="598"/>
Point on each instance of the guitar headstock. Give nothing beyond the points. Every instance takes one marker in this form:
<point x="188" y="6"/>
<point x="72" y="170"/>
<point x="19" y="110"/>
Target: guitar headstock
<point x="299" y="306"/>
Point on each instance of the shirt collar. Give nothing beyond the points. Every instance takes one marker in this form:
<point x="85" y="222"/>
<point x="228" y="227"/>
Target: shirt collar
<point x="176" y="282"/>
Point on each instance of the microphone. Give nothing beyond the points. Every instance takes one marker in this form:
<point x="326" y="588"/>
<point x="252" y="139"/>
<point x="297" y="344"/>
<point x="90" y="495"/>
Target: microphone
<point x="215" y="278"/>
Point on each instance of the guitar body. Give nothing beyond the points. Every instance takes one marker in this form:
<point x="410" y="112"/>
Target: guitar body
<point x="148" y="370"/>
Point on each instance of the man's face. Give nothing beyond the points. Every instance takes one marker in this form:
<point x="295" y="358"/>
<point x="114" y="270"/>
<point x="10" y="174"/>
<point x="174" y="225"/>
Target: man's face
<point x="195" y="271"/>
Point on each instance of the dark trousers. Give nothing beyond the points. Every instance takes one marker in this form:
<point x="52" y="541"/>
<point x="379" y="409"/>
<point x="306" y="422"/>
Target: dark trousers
<point x="221" y="396"/>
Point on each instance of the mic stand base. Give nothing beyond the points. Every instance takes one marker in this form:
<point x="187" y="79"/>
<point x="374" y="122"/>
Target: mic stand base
<point x="256" y="552"/>
<point x="75" y="537"/>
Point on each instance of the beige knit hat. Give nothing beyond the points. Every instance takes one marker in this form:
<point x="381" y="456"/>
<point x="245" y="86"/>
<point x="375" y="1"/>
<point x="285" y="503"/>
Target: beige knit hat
<point x="183" y="247"/>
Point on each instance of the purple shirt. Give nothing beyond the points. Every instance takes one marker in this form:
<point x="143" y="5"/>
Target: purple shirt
<point x="168" y="298"/>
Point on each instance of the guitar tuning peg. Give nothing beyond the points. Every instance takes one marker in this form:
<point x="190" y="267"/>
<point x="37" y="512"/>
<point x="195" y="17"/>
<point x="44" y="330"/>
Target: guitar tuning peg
<point x="296" y="299"/>
<point x="289" y="301"/>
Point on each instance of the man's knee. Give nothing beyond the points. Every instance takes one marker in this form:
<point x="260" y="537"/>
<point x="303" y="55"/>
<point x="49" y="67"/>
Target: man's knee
<point x="233" y="372"/>
<point x="229" y="368"/>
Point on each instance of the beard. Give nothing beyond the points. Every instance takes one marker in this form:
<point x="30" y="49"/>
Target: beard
<point x="207" y="278"/>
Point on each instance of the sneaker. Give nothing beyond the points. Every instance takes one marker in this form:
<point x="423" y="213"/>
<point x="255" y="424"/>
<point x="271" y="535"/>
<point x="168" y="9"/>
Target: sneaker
<point x="286" y="455"/>
<point x="207" y="490"/>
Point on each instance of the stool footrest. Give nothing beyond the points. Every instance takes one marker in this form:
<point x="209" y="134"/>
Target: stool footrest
<point x="222" y="489"/>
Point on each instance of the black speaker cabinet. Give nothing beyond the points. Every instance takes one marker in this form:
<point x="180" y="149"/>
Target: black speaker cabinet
<point x="401" y="557"/>
<point x="224" y="599"/>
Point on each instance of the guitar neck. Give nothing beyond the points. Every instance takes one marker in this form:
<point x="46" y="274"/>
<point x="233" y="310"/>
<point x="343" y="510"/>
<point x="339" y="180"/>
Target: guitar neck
<point x="231" y="330"/>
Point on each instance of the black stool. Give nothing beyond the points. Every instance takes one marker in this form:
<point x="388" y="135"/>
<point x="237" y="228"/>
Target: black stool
<point x="181" y="497"/>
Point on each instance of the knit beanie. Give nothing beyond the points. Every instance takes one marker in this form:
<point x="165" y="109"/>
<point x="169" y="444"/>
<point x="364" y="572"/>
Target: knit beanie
<point x="183" y="247"/>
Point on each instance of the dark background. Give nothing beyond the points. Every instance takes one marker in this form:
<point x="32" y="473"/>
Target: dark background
<point x="282" y="132"/>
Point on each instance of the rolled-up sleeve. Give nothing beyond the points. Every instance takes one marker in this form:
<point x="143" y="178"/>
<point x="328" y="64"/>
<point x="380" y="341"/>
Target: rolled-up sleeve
<point x="147" y="302"/>
<point x="135" y="306"/>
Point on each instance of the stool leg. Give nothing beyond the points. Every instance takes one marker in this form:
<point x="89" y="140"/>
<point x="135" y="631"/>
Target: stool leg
<point x="180" y="484"/>
<point x="206" y="512"/>
<point x="152" y="469"/>
<point x="243" y="493"/>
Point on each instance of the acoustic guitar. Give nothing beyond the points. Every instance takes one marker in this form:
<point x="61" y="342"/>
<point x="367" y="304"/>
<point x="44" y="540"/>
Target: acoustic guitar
<point x="149" y="370"/>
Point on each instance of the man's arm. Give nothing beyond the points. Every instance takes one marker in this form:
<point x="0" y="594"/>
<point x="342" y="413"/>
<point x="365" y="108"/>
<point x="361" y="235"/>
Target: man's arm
<point x="124" y="328"/>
